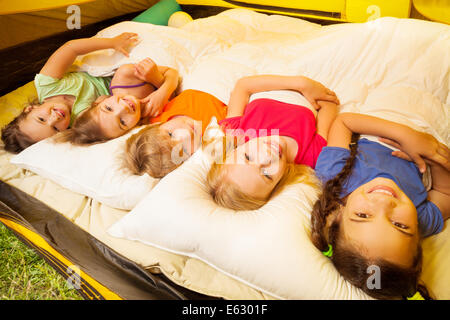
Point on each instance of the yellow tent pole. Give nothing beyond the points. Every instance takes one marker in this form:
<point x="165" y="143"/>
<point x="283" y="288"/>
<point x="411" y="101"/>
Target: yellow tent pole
<point x="21" y="6"/>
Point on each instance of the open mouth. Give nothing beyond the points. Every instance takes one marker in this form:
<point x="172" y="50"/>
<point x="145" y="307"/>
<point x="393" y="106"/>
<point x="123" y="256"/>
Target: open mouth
<point x="383" y="190"/>
<point x="130" y="103"/>
<point x="60" y="113"/>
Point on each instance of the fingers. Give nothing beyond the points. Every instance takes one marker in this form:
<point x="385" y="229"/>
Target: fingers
<point x="315" y="105"/>
<point x="129" y="34"/>
<point x="420" y="163"/>
<point x="138" y="67"/>
<point x="333" y="98"/>
<point x="443" y="161"/>
<point x="124" y="40"/>
<point x="443" y="151"/>
<point x="123" y="51"/>
<point x="401" y="155"/>
<point x="147" y="61"/>
<point x="153" y="111"/>
<point x="146" y="99"/>
<point x="390" y="142"/>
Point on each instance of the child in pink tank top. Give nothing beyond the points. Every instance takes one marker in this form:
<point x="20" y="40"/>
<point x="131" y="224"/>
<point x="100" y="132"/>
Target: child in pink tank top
<point x="274" y="143"/>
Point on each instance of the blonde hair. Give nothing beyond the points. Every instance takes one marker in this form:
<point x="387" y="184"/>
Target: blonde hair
<point x="227" y="194"/>
<point x="84" y="131"/>
<point x="150" y="151"/>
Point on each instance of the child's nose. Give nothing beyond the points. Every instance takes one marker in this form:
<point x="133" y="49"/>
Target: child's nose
<point x="266" y="154"/>
<point x="384" y="203"/>
<point x="125" y="108"/>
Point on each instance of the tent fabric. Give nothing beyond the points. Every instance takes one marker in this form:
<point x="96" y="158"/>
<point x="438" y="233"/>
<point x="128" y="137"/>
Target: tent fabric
<point x="19" y="213"/>
<point x="94" y="269"/>
<point x="95" y="218"/>
<point x="21" y="27"/>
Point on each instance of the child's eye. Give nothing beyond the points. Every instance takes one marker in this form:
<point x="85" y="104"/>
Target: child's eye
<point x="362" y="215"/>
<point x="108" y="108"/>
<point x="56" y="129"/>
<point x="123" y="123"/>
<point x="41" y="119"/>
<point x="400" y="225"/>
<point x="266" y="175"/>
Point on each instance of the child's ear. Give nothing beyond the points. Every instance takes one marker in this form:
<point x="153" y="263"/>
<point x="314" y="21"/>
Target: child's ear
<point x="28" y="108"/>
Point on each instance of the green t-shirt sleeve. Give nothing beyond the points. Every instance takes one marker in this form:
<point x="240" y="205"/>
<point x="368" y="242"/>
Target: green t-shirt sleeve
<point x="45" y="85"/>
<point x="83" y="86"/>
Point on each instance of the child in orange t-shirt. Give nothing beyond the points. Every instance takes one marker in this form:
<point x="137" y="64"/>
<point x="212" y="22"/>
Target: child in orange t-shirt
<point x="174" y="135"/>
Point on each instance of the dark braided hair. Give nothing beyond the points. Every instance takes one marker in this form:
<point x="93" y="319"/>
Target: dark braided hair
<point x="396" y="281"/>
<point x="330" y="199"/>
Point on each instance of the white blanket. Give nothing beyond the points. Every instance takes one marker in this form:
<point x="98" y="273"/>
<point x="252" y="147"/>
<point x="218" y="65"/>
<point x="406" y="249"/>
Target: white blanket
<point x="392" y="68"/>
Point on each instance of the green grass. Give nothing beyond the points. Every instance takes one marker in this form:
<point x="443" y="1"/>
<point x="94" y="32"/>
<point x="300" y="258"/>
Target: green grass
<point x="26" y="276"/>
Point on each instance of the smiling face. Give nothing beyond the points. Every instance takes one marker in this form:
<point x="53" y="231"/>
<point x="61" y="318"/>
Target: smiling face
<point x="117" y="114"/>
<point x="45" y="120"/>
<point x="381" y="220"/>
<point x="257" y="166"/>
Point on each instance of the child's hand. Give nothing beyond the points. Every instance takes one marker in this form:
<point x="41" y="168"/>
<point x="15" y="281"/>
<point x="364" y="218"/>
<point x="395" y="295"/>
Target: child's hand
<point x="314" y="91"/>
<point x="154" y="103"/>
<point x="147" y="70"/>
<point x="122" y="42"/>
<point x="421" y="148"/>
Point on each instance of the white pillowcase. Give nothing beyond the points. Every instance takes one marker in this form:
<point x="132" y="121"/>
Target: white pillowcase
<point x="166" y="46"/>
<point x="95" y="171"/>
<point x="268" y="249"/>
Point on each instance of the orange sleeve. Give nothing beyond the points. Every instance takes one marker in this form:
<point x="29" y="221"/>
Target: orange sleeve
<point x="198" y="105"/>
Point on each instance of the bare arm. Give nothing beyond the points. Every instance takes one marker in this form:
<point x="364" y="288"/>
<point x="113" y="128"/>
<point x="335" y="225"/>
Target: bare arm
<point x="60" y="61"/>
<point x="166" y="83"/>
<point x="246" y="86"/>
<point x="414" y="144"/>
<point x="147" y="70"/>
<point x="169" y="79"/>
<point x="325" y="117"/>
<point x="440" y="192"/>
<point x="440" y="176"/>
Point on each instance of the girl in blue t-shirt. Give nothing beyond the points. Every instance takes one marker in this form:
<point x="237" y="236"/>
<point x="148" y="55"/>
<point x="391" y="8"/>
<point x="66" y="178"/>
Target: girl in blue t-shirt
<point x="374" y="208"/>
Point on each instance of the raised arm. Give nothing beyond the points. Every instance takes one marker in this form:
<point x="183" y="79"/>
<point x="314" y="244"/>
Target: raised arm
<point x="60" y="61"/>
<point x="417" y="145"/>
<point x="325" y="117"/>
<point x="245" y="87"/>
<point x="166" y="80"/>
<point x="440" y="190"/>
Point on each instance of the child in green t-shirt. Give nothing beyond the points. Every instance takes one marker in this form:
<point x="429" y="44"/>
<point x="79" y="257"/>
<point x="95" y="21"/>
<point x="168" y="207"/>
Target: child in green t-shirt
<point x="63" y="96"/>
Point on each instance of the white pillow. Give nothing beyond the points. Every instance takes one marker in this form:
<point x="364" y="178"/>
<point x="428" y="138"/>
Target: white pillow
<point x="167" y="46"/>
<point x="268" y="249"/>
<point x="94" y="171"/>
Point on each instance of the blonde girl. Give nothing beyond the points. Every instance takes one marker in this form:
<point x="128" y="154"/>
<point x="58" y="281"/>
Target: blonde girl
<point x="62" y="95"/>
<point x="136" y="92"/>
<point x="278" y="143"/>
